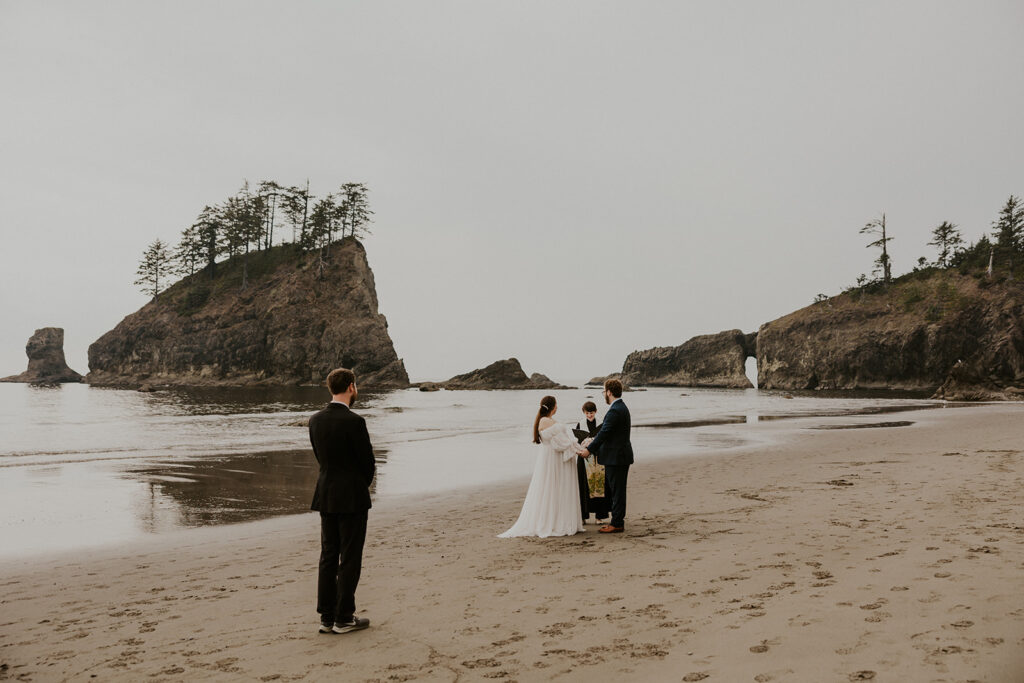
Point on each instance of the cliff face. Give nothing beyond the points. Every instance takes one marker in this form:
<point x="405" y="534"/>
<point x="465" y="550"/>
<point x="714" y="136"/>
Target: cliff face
<point x="926" y="332"/>
<point x="46" y="363"/>
<point x="290" y="324"/>
<point x="710" y="360"/>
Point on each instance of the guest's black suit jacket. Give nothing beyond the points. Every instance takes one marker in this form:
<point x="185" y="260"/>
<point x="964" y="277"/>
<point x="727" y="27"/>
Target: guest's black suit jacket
<point x="341" y="445"/>
<point x="611" y="446"/>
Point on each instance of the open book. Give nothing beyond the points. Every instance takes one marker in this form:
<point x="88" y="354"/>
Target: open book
<point x="581" y="434"/>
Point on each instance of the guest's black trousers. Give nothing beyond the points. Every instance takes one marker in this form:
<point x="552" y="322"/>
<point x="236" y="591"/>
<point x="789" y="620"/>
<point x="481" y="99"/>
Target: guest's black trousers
<point x="615" y="477"/>
<point x="341" y="561"/>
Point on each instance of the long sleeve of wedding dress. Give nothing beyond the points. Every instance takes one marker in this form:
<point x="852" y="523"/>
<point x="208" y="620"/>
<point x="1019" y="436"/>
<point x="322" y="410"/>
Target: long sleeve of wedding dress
<point x="552" y="504"/>
<point x="563" y="442"/>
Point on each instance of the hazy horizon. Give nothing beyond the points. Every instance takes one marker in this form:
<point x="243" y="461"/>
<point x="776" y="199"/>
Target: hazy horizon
<point x="691" y="168"/>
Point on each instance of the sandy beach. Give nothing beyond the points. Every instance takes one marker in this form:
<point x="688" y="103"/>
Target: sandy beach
<point x="886" y="553"/>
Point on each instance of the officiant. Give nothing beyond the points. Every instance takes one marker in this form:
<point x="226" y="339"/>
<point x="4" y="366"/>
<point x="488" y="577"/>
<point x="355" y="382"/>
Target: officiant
<point x="587" y="424"/>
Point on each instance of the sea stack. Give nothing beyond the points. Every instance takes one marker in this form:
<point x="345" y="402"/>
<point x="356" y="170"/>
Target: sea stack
<point x="46" y="363"/>
<point x="709" y="360"/>
<point x="502" y="374"/>
<point x="278" y="316"/>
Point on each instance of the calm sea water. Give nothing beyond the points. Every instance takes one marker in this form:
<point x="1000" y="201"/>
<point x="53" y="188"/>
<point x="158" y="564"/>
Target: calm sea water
<point x="82" y="467"/>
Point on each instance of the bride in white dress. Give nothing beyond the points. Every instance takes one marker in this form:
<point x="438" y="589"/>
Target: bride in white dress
<point x="552" y="505"/>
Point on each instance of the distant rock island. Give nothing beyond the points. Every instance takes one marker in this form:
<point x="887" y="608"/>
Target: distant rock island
<point x="957" y="336"/>
<point x="710" y="360"/>
<point x="291" y="323"/>
<point x="46" y="363"/>
<point x="502" y="374"/>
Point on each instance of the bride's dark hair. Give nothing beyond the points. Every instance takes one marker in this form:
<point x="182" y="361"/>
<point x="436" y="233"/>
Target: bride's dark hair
<point x="547" y="404"/>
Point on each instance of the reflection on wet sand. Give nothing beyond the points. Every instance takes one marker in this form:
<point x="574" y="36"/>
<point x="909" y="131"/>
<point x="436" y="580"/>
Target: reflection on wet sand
<point x="258" y="399"/>
<point x="867" y="425"/>
<point x="771" y="417"/>
<point x="226" y="489"/>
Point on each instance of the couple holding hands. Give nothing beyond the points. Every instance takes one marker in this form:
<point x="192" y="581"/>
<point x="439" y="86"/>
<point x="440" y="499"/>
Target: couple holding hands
<point x="556" y="501"/>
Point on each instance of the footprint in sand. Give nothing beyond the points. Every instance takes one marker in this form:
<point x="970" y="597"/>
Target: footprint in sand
<point x="862" y="675"/>
<point x="695" y="676"/>
<point x="985" y="549"/>
<point x="481" y="663"/>
<point x="557" y="629"/>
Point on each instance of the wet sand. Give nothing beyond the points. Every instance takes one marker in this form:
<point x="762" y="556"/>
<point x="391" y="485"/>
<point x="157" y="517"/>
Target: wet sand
<point x="890" y="553"/>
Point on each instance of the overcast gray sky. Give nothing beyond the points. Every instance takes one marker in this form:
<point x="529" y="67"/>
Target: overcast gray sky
<point x="691" y="166"/>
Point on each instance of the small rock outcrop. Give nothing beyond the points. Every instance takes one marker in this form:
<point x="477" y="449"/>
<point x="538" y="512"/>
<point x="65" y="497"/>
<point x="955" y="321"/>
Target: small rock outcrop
<point x="959" y="336"/>
<point x="46" y="363"/>
<point x="502" y="374"/>
<point x="710" y="360"/>
<point x="293" y="320"/>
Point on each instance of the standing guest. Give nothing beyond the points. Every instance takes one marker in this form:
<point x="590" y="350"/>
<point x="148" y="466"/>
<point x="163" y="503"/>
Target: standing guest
<point x="613" y="450"/>
<point x="587" y="424"/>
<point x="342" y="447"/>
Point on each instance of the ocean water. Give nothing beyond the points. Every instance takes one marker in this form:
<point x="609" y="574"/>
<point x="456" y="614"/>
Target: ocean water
<point x="82" y="467"/>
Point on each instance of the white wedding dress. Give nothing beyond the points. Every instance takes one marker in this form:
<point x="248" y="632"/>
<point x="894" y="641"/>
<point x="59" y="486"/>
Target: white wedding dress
<point x="552" y="505"/>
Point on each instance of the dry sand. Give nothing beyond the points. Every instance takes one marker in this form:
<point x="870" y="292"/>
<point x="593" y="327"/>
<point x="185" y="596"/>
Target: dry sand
<point x="891" y="554"/>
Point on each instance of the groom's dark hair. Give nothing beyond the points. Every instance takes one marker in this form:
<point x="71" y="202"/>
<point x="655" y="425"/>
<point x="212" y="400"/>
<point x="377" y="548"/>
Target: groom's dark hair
<point x="614" y="386"/>
<point x="339" y="380"/>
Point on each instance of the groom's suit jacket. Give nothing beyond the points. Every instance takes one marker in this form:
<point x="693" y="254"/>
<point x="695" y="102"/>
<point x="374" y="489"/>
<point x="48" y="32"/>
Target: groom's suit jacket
<point x="342" y="446"/>
<point x="611" y="446"/>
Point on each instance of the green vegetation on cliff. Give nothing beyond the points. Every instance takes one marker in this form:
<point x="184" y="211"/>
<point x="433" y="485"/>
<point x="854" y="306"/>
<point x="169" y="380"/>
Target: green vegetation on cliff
<point x="300" y="315"/>
<point x="244" y="224"/>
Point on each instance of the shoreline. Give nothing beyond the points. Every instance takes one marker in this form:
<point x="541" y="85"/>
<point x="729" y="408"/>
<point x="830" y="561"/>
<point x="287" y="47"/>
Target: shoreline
<point x="124" y="494"/>
<point x="819" y="557"/>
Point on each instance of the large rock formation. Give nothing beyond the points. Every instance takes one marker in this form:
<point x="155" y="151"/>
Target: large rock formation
<point x="46" y="364"/>
<point x="710" y="360"/>
<point x="942" y="331"/>
<point x="291" y="324"/>
<point x="502" y="374"/>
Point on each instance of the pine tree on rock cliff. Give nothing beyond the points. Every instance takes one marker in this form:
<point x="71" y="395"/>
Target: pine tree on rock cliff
<point x="209" y="227"/>
<point x="155" y="265"/>
<point x="243" y="226"/>
<point x="295" y="204"/>
<point x="268" y="192"/>
<point x="321" y="227"/>
<point x="189" y="252"/>
<point x="882" y="263"/>
<point x="355" y="209"/>
<point x="947" y="239"/>
<point x="1009" y="231"/>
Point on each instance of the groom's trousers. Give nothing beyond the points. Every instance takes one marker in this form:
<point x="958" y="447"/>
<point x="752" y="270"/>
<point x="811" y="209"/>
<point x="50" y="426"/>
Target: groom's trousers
<point x="341" y="561"/>
<point x="615" y="477"/>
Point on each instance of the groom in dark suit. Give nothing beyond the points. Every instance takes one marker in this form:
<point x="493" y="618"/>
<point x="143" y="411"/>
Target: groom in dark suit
<point x="615" y="452"/>
<point x="342" y="447"/>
